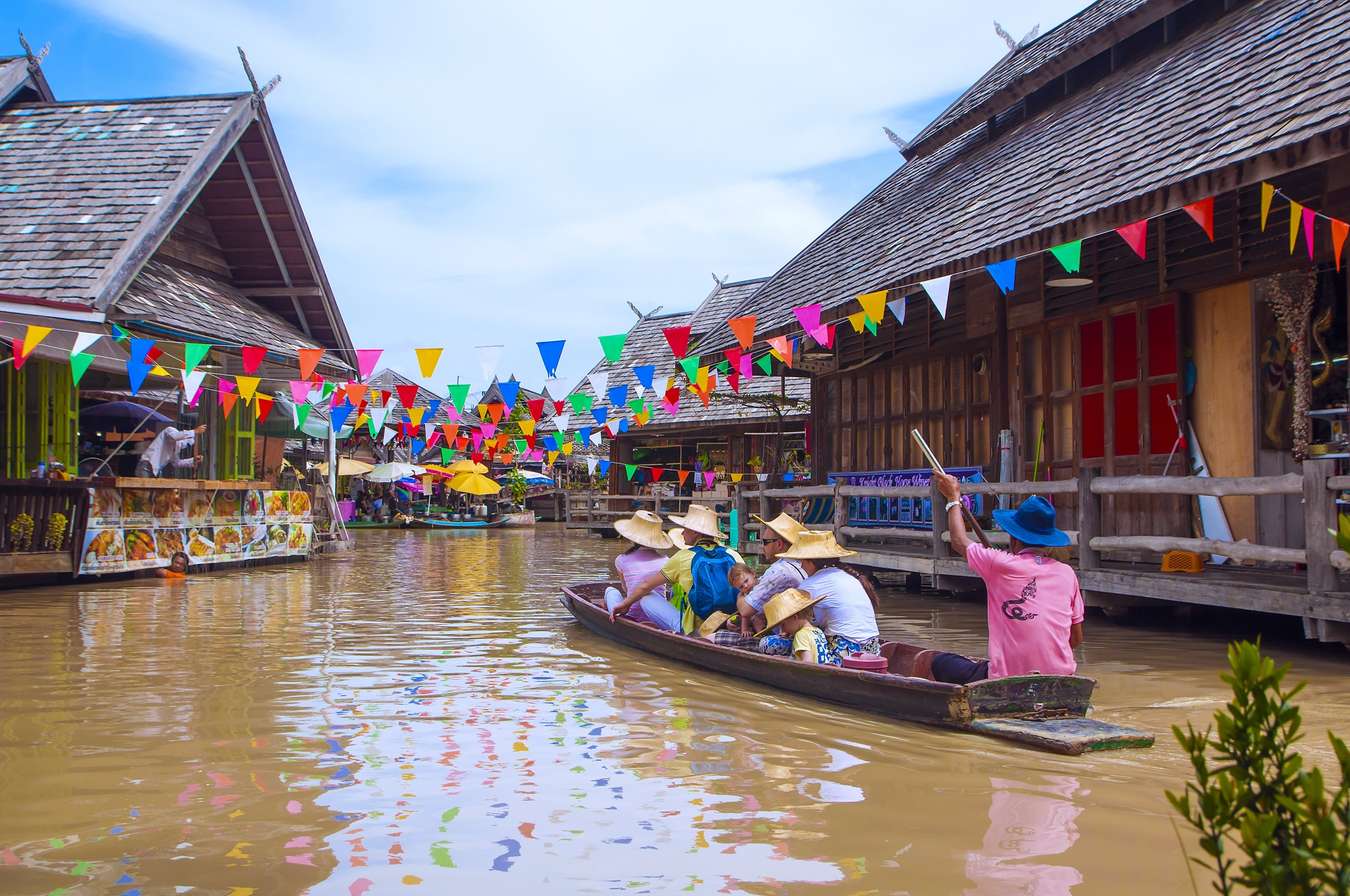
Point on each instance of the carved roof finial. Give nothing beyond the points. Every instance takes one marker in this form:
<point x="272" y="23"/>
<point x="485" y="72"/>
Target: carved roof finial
<point x="34" y="59"/>
<point x="259" y="93"/>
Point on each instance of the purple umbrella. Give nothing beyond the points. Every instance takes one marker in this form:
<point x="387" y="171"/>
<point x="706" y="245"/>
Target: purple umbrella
<point x="116" y="414"/>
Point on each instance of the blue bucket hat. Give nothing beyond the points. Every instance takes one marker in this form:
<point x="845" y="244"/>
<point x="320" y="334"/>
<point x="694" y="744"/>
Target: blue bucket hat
<point x="1033" y="522"/>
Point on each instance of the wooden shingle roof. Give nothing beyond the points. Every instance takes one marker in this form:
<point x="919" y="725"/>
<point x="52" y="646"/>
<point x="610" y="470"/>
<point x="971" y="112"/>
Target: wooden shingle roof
<point x="1258" y="86"/>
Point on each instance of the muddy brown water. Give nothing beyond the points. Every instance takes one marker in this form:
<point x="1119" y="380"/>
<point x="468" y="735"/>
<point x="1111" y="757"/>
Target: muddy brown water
<point x="425" y="717"/>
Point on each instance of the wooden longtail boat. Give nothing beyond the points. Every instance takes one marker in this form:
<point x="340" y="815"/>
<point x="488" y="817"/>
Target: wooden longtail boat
<point x="1044" y="711"/>
<point x="427" y="523"/>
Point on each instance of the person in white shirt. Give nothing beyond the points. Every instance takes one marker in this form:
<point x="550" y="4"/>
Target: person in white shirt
<point x="163" y="451"/>
<point x="848" y="604"/>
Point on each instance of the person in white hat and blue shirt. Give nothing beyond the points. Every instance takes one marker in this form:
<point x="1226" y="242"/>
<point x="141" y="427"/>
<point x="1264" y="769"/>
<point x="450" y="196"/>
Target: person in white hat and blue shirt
<point x="1034" y="605"/>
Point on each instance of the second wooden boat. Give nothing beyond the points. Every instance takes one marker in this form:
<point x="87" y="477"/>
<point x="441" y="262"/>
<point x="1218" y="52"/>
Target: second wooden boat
<point x="1044" y="711"/>
<point x="428" y="523"/>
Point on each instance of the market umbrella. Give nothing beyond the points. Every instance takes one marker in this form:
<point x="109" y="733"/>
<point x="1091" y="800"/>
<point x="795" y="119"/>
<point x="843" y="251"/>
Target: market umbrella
<point x="530" y="476"/>
<point x="392" y="472"/>
<point x="347" y="466"/>
<point x="474" y="484"/>
<point x="114" y="414"/>
<point x="465" y="465"/>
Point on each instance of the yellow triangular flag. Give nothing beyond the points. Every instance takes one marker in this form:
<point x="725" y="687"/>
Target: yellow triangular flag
<point x="642" y="417"/>
<point x="736" y="477"/>
<point x="360" y="421"/>
<point x="567" y="448"/>
<point x="1267" y="194"/>
<point x="33" y="337"/>
<point x="873" y="305"/>
<point x="1295" y="217"/>
<point x="552" y="456"/>
<point x="416" y="415"/>
<point x="247" y="386"/>
<point x="527" y="427"/>
<point x="702" y="378"/>
<point x="857" y="320"/>
<point x="158" y="371"/>
<point x="482" y="412"/>
<point x="427" y="359"/>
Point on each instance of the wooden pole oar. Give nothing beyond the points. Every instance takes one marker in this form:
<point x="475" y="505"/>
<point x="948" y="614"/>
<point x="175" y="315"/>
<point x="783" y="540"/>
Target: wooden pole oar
<point x="971" y="523"/>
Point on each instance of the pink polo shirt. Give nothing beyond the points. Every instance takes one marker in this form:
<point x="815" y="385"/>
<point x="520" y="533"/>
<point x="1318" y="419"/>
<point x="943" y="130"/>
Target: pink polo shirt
<point x="1033" y="601"/>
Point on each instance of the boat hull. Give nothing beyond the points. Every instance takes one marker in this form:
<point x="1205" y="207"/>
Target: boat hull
<point x="518" y="520"/>
<point x="457" y="524"/>
<point x="1035" y="702"/>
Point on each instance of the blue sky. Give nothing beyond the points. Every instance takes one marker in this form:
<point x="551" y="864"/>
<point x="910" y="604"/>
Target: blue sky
<point x="509" y="173"/>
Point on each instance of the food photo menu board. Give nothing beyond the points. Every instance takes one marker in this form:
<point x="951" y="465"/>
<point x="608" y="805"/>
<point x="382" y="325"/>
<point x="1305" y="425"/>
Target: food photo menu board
<point x="142" y="528"/>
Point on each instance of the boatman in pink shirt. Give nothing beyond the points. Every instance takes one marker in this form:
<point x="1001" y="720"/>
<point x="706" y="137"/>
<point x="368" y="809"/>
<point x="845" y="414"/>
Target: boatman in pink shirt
<point x="1035" y="608"/>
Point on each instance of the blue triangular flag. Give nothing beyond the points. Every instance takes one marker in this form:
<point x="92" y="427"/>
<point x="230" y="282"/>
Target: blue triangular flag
<point x="136" y="373"/>
<point x="604" y="468"/>
<point x="340" y="414"/>
<point x="511" y="389"/>
<point x="585" y="433"/>
<point x="1004" y="274"/>
<point x="787" y="476"/>
<point x="644" y="374"/>
<point x="552" y="441"/>
<point x="618" y="396"/>
<point x="623" y="424"/>
<point x="551" y="354"/>
<point x="119" y="334"/>
<point x="432" y="407"/>
<point x="417" y="446"/>
<point x="139" y="348"/>
<point x="601" y="414"/>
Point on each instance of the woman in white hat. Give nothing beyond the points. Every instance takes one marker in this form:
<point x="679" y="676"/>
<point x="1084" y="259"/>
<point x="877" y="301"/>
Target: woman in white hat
<point x="642" y="560"/>
<point x="848" y="605"/>
<point x="697" y="574"/>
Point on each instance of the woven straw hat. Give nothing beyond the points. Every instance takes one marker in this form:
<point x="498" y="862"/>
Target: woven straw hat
<point x="712" y="624"/>
<point x="816" y="545"/>
<point x="643" y="528"/>
<point x="676" y="537"/>
<point x="784" y="526"/>
<point x="701" y="520"/>
<point x="784" y="604"/>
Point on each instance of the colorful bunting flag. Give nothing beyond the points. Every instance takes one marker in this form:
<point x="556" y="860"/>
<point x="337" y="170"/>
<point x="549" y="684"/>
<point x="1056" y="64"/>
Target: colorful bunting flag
<point x="629" y="470"/>
<point x="591" y="464"/>
<point x="599" y="382"/>
<point x="459" y="394"/>
<point x="1267" y="195"/>
<point x="781" y="347"/>
<point x="856" y="320"/>
<point x="248" y="385"/>
<point x="301" y="414"/>
<point x="79" y="363"/>
<point x="488" y="356"/>
<point x="678" y="340"/>
<point x="938" y="289"/>
<point x="407" y="394"/>
<point x="1069" y="255"/>
<point x="252" y="356"/>
<point x="366" y="359"/>
<point x="1136" y="237"/>
<point x="427" y="359"/>
<point x="510" y="391"/>
<point x="1295" y="216"/>
<point x="192" y="383"/>
<point x="1308" y="218"/>
<point x="227" y="400"/>
<point x="1202" y="213"/>
<point x="415" y="415"/>
<point x="872" y="304"/>
<point x="1339" y="229"/>
<point x="262" y="407"/>
<point x="119" y="334"/>
<point x="33" y="336"/>
<point x="309" y="359"/>
<point x="618" y="395"/>
<point x="551" y="353"/>
<point x="644" y="373"/>
<point x="580" y="402"/>
<point x="1004" y="274"/>
<point x="560" y="421"/>
<point x="536" y="408"/>
<point x="299" y="389"/>
<point x="83" y="342"/>
<point x="897" y="307"/>
<point x="690" y="367"/>
<point x="808" y="316"/>
<point x="376" y="420"/>
<point x="765" y="363"/>
<point x="744" y="330"/>
<point x="612" y="346"/>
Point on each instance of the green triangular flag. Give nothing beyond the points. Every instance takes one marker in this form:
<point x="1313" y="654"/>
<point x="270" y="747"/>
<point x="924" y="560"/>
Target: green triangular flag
<point x="576" y="437"/>
<point x="690" y="367"/>
<point x="871" y="325"/>
<point x="613" y="346"/>
<point x="301" y="413"/>
<point x="765" y="364"/>
<point x="580" y="403"/>
<point x="78" y="365"/>
<point x="1069" y="255"/>
<point x="724" y="367"/>
<point x="637" y="405"/>
<point x="328" y="388"/>
<point x="373" y="427"/>
<point x="630" y="469"/>
<point x="459" y="393"/>
<point x="447" y="455"/>
<point x="520" y="445"/>
<point x="193" y="352"/>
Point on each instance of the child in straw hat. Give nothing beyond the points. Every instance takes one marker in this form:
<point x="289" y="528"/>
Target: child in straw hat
<point x="643" y="559"/>
<point x="790" y="612"/>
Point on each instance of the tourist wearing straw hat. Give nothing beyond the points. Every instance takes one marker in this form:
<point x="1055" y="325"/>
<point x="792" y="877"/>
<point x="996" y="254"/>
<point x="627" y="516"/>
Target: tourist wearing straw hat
<point x="1034" y="606"/>
<point x="783" y="573"/>
<point x="643" y="559"/>
<point x="697" y="574"/>
<point x="847" y="608"/>
<point x="790" y="613"/>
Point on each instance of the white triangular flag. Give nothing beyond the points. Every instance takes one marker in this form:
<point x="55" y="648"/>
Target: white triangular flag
<point x="191" y="381"/>
<point x="600" y="383"/>
<point x="84" y="340"/>
<point x="561" y="421"/>
<point x="488" y="356"/>
<point x="897" y="307"/>
<point x="430" y="428"/>
<point x="762" y="477"/>
<point x="597" y="437"/>
<point x="387" y="436"/>
<point x="591" y="464"/>
<point x="377" y="415"/>
<point x="938" y="289"/>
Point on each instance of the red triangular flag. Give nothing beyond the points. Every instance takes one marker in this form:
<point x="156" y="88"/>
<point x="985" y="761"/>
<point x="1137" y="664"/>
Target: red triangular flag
<point x="461" y="442"/>
<point x="1338" y="231"/>
<point x="476" y="457"/>
<point x="656" y="473"/>
<point x="558" y="406"/>
<point x="744" y="329"/>
<point x="262" y="406"/>
<point x="1136" y="237"/>
<point x="309" y="359"/>
<point x="19" y="357"/>
<point x="536" y="408"/>
<point x="825" y="336"/>
<point x="678" y="337"/>
<point x="1202" y="213"/>
<point x="407" y="395"/>
<point x="735" y="379"/>
<point x="253" y="355"/>
<point x="734" y="357"/>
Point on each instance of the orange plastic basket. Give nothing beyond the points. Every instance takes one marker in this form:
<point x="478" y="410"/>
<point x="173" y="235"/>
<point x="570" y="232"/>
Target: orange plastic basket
<point x="1182" y="561"/>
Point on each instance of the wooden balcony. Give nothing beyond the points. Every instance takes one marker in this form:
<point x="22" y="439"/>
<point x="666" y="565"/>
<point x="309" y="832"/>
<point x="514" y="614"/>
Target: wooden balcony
<point x="31" y="547"/>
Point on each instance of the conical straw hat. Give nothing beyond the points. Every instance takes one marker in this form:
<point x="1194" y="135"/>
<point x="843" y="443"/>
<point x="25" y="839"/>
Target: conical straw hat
<point x="701" y="520"/>
<point x="784" y="604"/>
<point x="816" y="545"/>
<point x="643" y="528"/>
<point x="784" y="526"/>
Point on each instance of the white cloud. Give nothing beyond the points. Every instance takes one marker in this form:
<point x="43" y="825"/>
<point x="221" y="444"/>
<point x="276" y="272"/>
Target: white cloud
<point x="514" y="172"/>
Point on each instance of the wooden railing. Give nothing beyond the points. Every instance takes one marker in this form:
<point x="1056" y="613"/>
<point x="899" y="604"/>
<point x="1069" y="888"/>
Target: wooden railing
<point x="29" y="542"/>
<point x="599" y="510"/>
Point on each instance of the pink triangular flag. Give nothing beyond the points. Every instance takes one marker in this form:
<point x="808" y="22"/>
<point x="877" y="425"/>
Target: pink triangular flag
<point x="1308" y="217"/>
<point x="809" y="317"/>
<point x="1136" y="237"/>
<point x="300" y="390"/>
<point x="366" y="359"/>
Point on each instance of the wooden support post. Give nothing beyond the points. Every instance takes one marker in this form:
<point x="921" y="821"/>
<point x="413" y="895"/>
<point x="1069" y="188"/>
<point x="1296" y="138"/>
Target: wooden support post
<point x="1089" y="520"/>
<point x="764" y="503"/>
<point x="840" y="513"/>
<point x="941" y="548"/>
<point x="1319" y="521"/>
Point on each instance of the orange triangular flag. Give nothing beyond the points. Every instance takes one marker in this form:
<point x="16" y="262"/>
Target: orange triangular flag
<point x="782" y="349"/>
<point x="1267" y="194"/>
<point x="1295" y="217"/>
<point x="356" y="392"/>
<point x="227" y="400"/>
<point x="495" y="411"/>
<point x="683" y="475"/>
<point x="744" y="329"/>
<point x="309" y="359"/>
<point x="1338" y="231"/>
<point x="1202" y="213"/>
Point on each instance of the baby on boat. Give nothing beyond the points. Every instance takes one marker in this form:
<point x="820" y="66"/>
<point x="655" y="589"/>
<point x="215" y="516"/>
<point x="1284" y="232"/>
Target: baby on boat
<point x="742" y="578"/>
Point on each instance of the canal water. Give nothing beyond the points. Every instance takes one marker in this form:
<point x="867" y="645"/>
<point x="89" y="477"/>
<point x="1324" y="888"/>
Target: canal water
<point x="425" y="717"/>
